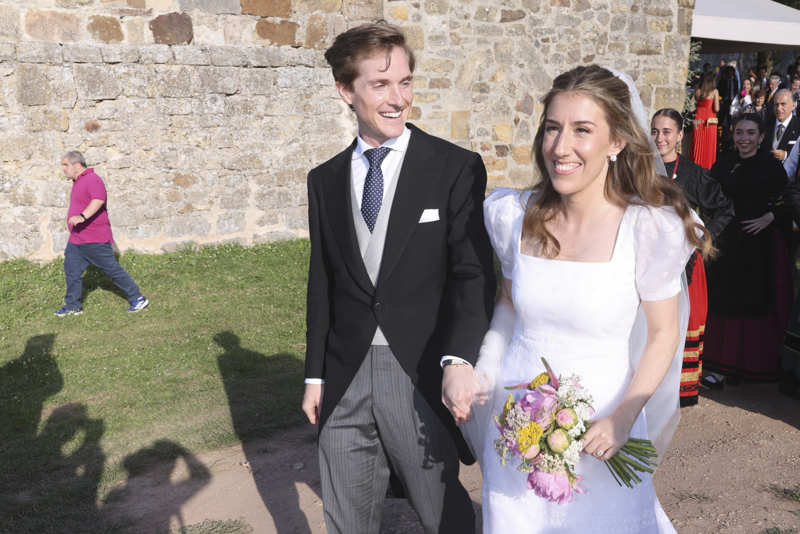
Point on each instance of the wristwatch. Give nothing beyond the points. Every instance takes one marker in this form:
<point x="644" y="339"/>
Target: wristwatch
<point x="452" y="362"/>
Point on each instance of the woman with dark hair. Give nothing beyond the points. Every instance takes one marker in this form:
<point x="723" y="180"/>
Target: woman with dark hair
<point x="757" y="107"/>
<point x="706" y="197"/>
<point x="704" y="140"/>
<point x="750" y="280"/>
<point x="592" y="260"/>
<point x="743" y="98"/>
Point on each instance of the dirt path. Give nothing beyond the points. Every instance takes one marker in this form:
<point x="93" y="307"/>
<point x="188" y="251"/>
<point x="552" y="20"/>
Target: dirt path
<point x="730" y="458"/>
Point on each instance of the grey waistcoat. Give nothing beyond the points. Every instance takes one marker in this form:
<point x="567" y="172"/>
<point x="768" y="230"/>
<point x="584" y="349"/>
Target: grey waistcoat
<point x="371" y="244"/>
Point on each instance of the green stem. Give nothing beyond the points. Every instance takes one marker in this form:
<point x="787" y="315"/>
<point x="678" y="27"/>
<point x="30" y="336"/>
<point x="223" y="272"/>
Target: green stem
<point x="610" y="470"/>
<point x="635" y="465"/>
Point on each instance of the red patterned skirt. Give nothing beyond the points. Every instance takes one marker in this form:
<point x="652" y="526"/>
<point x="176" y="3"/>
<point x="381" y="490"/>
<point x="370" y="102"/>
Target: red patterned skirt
<point x="693" y="348"/>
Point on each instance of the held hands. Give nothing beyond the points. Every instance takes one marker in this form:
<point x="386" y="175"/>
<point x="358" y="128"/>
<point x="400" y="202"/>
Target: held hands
<point x="606" y="436"/>
<point x="780" y="155"/>
<point x="312" y="400"/>
<point x="459" y="389"/>
<point x="754" y="226"/>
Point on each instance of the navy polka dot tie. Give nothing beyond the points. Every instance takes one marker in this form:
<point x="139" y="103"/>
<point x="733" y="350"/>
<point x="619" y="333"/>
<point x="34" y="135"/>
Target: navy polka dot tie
<point x="373" y="186"/>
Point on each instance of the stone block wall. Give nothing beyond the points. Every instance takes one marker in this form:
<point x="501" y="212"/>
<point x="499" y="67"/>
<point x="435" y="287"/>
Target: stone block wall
<point x="204" y="116"/>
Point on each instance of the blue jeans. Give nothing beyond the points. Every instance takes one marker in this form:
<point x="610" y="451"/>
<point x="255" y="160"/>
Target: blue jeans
<point x="78" y="257"/>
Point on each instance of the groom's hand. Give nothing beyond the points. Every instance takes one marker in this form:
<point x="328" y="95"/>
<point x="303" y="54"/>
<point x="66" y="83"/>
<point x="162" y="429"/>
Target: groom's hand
<point x="458" y="390"/>
<point x="312" y="398"/>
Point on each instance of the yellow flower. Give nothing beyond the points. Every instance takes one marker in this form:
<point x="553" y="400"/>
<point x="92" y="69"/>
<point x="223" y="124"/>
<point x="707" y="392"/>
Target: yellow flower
<point x="543" y="378"/>
<point x="508" y="405"/>
<point x="529" y="436"/>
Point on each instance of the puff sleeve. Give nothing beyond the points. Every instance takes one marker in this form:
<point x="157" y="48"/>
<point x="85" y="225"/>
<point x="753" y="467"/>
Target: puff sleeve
<point x="502" y="213"/>
<point x="662" y="251"/>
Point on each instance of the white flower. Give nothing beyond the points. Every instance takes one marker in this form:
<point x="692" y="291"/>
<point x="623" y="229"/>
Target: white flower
<point x="573" y="453"/>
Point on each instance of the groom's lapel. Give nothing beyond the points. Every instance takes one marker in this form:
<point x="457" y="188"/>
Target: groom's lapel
<point x="418" y="173"/>
<point x="340" y="211"/>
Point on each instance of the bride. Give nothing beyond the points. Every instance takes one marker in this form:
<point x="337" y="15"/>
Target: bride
<point x="592" y="260"/>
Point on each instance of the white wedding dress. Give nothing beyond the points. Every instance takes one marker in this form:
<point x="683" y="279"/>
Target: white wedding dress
<point x="584" y="318"/>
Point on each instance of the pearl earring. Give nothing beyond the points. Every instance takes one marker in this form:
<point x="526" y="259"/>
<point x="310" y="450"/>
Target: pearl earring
<point x="612" y="158"/>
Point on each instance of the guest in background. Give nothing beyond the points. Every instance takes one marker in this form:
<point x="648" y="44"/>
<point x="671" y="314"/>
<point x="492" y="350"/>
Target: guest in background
<point x="795" y="88"/>
<point x="772" y="90"/>
<point x="90" y="238"/>
<point x="704" y="140"/>
<point x="743" y="98"/>
<point x="706" y="197"/>
<point x="763" y="79"/>
<point x="783" y="128"/>
<point x="750" y="280"/>
<point x="757" y="106"/>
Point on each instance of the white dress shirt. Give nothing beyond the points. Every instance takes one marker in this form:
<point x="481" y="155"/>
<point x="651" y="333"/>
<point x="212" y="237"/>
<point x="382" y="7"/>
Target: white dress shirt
<point x="775" y="140"/>
<point x="791" y="162"/>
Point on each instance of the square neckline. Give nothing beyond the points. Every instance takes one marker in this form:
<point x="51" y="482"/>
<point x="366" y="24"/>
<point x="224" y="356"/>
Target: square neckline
<point x="607" y="262"/>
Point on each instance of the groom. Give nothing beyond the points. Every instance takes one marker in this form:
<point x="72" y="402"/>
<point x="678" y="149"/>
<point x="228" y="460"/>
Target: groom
<point x="400" y="280"/>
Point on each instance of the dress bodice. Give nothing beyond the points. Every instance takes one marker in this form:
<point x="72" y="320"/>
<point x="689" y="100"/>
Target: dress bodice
<point x="586" y="319"/>
<point x="705" y="108"/>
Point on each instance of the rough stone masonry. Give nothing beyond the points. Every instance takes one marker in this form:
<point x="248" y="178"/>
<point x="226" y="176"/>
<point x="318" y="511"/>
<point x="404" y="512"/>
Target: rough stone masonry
<point x="204" y="116"/>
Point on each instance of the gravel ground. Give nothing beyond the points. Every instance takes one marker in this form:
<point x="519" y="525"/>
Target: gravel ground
<point x="726" y="471"/>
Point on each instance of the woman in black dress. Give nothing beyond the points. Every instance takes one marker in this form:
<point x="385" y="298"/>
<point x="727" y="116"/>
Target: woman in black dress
<point x="750" y="280"/>
<point x="706" y="197"/>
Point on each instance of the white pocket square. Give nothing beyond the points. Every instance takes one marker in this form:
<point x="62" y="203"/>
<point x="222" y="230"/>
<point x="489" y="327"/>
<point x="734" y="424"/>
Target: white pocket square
<point x="429" y="215"/>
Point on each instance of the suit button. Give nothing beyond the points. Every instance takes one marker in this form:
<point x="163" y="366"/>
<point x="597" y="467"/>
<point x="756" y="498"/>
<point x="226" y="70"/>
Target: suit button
<point x="377" y="306"/>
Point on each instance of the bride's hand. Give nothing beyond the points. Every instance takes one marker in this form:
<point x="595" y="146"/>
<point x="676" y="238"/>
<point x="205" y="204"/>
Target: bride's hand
<point x="606" y="436"/>
<point x="459" y="387"/>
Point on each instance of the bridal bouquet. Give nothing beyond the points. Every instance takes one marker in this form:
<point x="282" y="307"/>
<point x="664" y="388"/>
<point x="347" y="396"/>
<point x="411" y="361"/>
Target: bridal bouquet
<point x="544" y="430"/>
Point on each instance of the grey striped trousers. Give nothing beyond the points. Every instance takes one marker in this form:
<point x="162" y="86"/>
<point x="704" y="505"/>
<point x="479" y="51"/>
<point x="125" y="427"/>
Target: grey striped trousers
<point x="382" y="418"/>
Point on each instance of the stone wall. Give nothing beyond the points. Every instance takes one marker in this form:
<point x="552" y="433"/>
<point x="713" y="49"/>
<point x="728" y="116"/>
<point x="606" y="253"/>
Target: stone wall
<point x="203" y="116"/>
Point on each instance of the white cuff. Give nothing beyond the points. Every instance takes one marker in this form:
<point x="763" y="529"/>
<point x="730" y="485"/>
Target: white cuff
<point x="315" y="380"/>
<point x="455" y="359"/>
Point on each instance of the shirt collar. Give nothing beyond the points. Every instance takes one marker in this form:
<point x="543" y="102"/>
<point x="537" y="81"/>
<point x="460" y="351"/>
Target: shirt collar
<point x="399" y="143"/>
<point x="84" y="173"/>
<point x="785" y="123"/>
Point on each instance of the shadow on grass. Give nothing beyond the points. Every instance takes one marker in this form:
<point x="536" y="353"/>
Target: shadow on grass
<point x="49" y="479"/>
<point x="261" y="391"/>
<point x="94" y="279"/>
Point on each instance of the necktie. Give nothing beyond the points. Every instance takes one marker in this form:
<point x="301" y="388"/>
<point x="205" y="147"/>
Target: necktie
<point x="373" y="185"/>
<point x="778" y="135"/>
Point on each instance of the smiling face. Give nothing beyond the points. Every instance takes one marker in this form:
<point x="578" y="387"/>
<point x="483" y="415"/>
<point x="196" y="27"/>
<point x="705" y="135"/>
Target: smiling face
<point x="784" y="105"/>
<point x="380" y="95"/>
<point x="746" y="137"/>
<point x="576" y="145"/>
<point x="747" y="85"/>
<point x="666" y="135"/>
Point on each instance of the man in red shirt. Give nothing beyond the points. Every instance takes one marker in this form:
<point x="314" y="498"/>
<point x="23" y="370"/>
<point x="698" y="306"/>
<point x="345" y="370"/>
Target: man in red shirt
<point x="90" y="238"/>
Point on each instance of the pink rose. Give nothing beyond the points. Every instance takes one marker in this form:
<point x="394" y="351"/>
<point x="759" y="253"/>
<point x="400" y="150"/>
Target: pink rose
<point x="558" y="441"/>
<point x="555" y="487"/>
<point x="566" y="418"/>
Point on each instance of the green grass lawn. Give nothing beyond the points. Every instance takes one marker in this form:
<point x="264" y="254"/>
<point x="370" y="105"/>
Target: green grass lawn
<point x="216" y="358"/>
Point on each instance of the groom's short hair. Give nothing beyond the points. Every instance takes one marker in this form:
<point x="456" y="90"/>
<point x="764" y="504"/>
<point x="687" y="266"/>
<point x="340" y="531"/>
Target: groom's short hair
<point x="363" y="41"/>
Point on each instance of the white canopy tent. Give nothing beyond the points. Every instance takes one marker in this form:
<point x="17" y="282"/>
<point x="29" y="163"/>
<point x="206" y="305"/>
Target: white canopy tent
<point x="742" y="25"/>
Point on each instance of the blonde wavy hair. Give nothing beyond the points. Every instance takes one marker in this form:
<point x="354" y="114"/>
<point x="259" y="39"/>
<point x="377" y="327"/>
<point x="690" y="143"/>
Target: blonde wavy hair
<point x="632" y="179"/>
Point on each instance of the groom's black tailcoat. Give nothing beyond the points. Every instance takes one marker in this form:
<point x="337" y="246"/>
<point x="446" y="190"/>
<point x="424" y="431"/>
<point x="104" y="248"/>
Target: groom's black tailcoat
<point x="436" y="286"/>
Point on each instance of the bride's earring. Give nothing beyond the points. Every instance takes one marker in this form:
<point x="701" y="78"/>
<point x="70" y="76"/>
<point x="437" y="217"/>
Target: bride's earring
<point x="612" y="158"/>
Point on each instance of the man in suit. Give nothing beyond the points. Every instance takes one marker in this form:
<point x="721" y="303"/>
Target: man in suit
<point x="400" y="282"/>
<point x="783" y="128"/>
